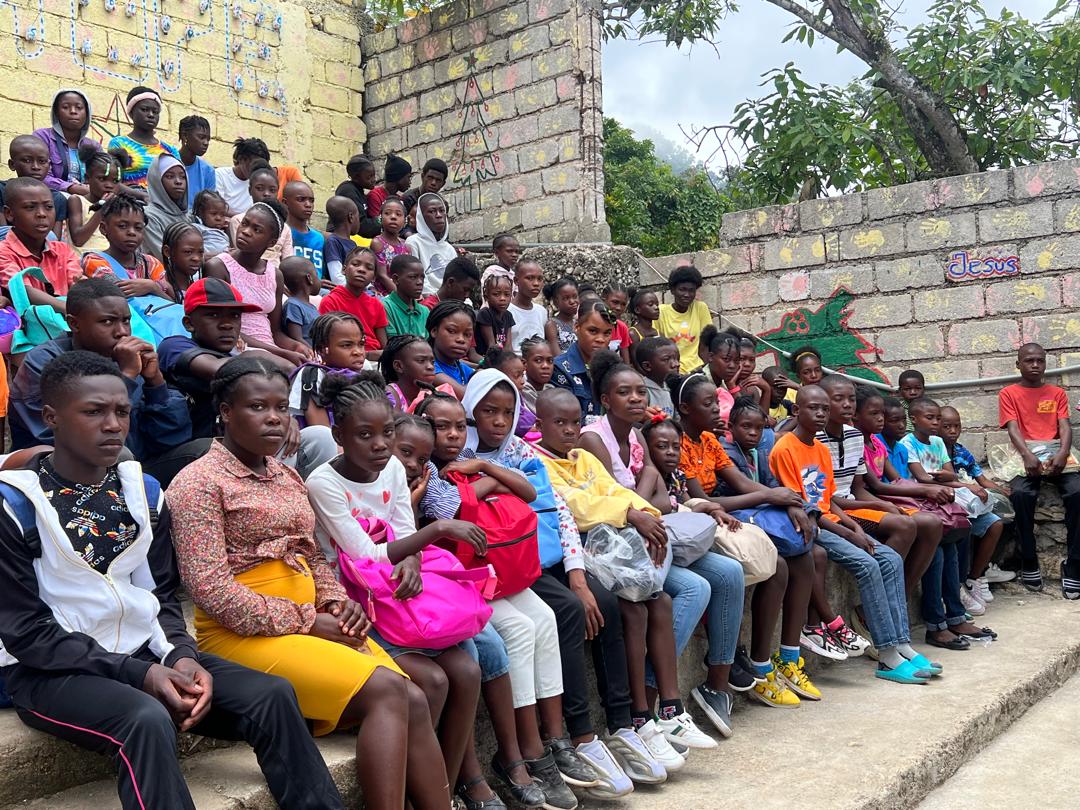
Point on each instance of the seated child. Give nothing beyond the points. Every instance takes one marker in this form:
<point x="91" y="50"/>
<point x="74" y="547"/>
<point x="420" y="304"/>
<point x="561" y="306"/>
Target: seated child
<point x="507" y="251"/>
<point x="352" y="298"/>
<point x="100" y="322"/>
<point x="212" y="310"/>
<point x="123" y="223"/>
<point x="408" y="367"/>
<point x="210" y="214"/>
<point x="404" y="314"/>
<point x="397" y="175"/>
<point x="513" y="367"/>
<point x="302" y="283"/>
<point x="194" y="132"/>
<point x="539" y="366"/>
<point x="806" y="365"/>
<point x="782" y="397"/>
<point x="182" y="257"/>
<point x="342" y="223"/>
<point x="562" y="295"/>
<point x="450" y="328"/>
<point x="414" y="441"/>
<point x="685" y="317"/>
<point x="494" y="322"/>
<point x="801" y="463"/>
<point x="166" y="185"/>
<point x="525" y="623"/>
<point x="911" y="386"/>
<point x="29" y="157"/>
<point x="234" y="182"/>
<point x="530" y="319"/>
<point x="108" y="649"/>
<point x="361" y="180"/>
<point x="263" y="615"/>
<point x="985" y="534"/>
<point x="263" y="187"/>
<point x="299" y="200"/>
<point x="103" y="173"/>
<point x="750" y="383"/>
<point x="644" y="308"/>
<point x="1036" y="416"/>
<point x="30" y="211"/>
<point x="657" y="358"/>
<point x="431" y="242"/>
<point x="461" y="281"/>
<point x="595" y="498"/>
<point x="338" y="340"/>
<point x="615" y="298"/>
<point x="389" y="244"/>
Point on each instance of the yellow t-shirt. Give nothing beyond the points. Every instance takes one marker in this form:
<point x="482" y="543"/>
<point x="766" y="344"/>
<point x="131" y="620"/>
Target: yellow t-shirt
<point x="685" y="329"/>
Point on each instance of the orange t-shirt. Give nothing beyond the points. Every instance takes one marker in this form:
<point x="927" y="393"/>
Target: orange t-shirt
<point x="703" y="459"/>
<point x="1036" y="411"/>
<point x="806" y="469"/>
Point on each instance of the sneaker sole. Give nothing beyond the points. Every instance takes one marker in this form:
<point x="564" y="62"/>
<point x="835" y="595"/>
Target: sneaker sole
<point x="765" y="702"/>
<point x="1000" y="580"/>
<point x="736" y="688"/>
<point x="832" y="655"/>
<point x="802" y="693"/>
<point x="577" y="782"/>
<point x="718" y="723"/>
<point x="623" y="762"/>
<point x="606" y="795"/>
<point x="691" y="746"/>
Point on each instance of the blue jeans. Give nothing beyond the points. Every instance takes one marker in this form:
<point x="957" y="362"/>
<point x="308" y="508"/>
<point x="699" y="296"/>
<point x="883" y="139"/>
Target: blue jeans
<point x="488" y="649"/>
<point x="712" y="586"/>
<point x="941" y="582"/>
<point x="880" y="577"/>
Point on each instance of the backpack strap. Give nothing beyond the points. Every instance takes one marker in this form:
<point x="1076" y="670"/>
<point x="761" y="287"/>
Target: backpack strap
<point x="152" y="491"/>
<point x="24" y="511"/>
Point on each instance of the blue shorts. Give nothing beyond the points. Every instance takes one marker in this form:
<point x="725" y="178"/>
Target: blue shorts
<point x="981" y="525"/>
<point x="394" y="651"/>
<point x="487" y="648"/>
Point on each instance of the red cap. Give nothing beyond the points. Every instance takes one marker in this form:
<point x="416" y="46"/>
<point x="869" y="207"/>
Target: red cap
<point x="213" y="292"/>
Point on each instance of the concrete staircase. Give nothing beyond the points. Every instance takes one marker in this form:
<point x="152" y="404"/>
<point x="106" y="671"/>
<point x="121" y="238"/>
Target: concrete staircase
<point x="868" y="744"/>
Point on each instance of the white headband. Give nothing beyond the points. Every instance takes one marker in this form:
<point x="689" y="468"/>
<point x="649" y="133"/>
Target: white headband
<point x="277" y="219"/>
<point x="131" y="102"/>
<point x="689" y="377"/>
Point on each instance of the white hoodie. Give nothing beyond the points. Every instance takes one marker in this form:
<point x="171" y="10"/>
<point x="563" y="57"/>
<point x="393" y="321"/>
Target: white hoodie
<point x="434" y="253"/>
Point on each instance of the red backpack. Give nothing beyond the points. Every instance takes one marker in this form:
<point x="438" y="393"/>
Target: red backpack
<point x="510" y="526"/>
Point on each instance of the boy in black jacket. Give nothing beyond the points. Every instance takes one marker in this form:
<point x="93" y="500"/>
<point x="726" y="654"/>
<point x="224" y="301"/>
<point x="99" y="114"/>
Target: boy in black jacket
<point x="94" y="645"/>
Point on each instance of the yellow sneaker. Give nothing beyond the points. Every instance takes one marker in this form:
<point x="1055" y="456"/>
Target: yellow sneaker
<point x="774" y="692"/>
<point x="795" y="677"/>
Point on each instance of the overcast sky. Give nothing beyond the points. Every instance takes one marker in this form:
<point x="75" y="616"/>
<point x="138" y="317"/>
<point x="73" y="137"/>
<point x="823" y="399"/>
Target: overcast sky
<point x="651" y="85"/>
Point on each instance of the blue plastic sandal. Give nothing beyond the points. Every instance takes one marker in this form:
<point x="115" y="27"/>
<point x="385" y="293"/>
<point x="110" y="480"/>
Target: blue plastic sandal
<point x="923" y="663"/>
<point x="907" y="672"/>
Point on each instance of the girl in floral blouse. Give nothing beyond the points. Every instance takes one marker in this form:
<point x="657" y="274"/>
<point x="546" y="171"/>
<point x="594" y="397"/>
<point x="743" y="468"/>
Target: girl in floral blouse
<point x="265" y="596"/>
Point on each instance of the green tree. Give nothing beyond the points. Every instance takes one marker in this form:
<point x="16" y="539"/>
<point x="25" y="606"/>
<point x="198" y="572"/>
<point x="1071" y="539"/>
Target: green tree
<point x="960" y="92"/>
<point x="652" y="208"/>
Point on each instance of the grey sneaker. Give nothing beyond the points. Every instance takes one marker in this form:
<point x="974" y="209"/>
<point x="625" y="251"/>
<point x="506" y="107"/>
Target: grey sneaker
<point x="614" y="783"/>
<point x="634" y="757"/>
<point x="574" y="770"/>
<point x="557" y="796"/>
<point x="717" y="707"/>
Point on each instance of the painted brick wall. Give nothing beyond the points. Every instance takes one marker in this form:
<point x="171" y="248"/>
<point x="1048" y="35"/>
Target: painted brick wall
<point x="947" y="276"/>
<point x="283" y="72"/>
<point x="507" y="92"/>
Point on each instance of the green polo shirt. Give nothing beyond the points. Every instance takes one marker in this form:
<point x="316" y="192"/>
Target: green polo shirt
<point x="405" y="318"/>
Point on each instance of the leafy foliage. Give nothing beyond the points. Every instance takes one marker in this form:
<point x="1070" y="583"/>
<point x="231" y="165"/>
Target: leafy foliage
<point x="652" y="208"/>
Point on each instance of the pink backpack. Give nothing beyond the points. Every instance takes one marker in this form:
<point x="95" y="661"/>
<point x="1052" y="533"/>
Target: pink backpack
<point x="451" y="608"/>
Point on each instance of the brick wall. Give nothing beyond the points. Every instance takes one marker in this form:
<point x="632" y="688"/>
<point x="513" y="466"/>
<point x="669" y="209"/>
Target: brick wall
<point x="947" y="276"/>
<point x="278" y="71"/>
<point x="508" y="94"/>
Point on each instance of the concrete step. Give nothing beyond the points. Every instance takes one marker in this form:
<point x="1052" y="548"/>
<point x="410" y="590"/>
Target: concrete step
<point x="1028" y="760"/>
<point x="868" y="744"/>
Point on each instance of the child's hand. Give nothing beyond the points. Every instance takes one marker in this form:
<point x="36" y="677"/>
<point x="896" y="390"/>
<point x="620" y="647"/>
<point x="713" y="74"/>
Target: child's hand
<point x="1032" y="465"/>
<point x="801" y="521"/>
<point x="982" y="493"/>
<point x="466" y="466"/>
<point x="860" y="540"/>
<point x="127" y="353"/>
<point x="408" y="572"/>
<point x="465" y="532"/>
<point x="418" y="488"/>
<point x="722" y="518"/>
<point x="138" y="286"/>
<point x="782" y="496"/>
<point x="651" y="529"/>
<point x="1058" y="462"/>
<point x="292" y="439"/>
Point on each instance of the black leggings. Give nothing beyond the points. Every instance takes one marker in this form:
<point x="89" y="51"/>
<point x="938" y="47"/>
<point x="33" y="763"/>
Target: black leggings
<point x="138" y="733"/>
<point x="609" y="652"/>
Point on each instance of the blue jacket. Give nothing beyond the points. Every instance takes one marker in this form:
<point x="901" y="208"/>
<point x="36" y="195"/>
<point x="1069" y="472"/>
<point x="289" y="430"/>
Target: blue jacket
<point x="738" y="457"/>
<point x="159" y="415"/>
<point x="571" y="372"/>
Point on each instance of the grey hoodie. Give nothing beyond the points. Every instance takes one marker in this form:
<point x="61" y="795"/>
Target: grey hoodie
<point x="60" y="176"/>
<point x="161" y="212"/>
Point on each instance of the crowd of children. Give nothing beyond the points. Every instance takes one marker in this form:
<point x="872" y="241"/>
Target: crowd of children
<point x="387" y="504"/>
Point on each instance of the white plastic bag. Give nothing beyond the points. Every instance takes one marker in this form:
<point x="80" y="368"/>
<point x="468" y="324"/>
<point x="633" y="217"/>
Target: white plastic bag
<point x="620" y="559"/>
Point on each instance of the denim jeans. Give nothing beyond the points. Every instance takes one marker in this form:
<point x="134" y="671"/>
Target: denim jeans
<point x="712" y="586"/>
<point x="942" y="582"/>
<point x="880" y="577"/>
<point x="488" y="649"/>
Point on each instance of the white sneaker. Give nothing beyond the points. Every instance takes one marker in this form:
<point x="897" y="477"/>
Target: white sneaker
<point x="984" y="590"/>
<point x="634" y="757"/>
<point x="996" y="574"/>
<point x="971" y="604"/>
<point x="654" y="740"/>
<point x="683" y="729"/>
<point x="614" y="783"/>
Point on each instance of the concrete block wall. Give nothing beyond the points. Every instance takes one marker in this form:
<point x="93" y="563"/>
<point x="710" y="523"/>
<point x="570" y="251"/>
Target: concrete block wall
<point x="287" y="72"/>
<point x="947" y="276"/>
<point x="507" y="92"/>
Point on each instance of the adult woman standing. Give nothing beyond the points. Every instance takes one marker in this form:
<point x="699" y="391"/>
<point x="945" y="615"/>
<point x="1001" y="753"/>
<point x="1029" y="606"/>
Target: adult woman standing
<point x="143" y="107"/>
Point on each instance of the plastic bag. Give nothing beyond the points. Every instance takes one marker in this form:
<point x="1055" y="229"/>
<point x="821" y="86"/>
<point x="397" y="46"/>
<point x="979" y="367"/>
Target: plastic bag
<point x="1006" y="464"/>
<point x="690" y="536"/>
<point x="620" y="559"/>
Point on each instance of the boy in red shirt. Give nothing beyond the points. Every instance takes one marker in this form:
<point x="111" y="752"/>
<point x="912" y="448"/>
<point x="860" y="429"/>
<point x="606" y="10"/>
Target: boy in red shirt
<point x="803" y="464"/>
<point x="1036" y="417"/>
<point x="352" y="297"/>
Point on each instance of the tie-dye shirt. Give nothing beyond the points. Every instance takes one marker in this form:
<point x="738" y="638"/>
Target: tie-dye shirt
<point x="141" y="158"/>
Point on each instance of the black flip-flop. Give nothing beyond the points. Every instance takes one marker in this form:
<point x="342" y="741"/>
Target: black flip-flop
<point x="958" y="643"/>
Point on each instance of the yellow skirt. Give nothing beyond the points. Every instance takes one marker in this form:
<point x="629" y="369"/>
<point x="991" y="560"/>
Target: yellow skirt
<point x="326" y="675"/>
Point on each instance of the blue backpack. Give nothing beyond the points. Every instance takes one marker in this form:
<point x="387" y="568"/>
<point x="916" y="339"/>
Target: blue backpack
<point x="547" y="516"/>
<point x="27" y="517"/>
<point x="153" y="318"/>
